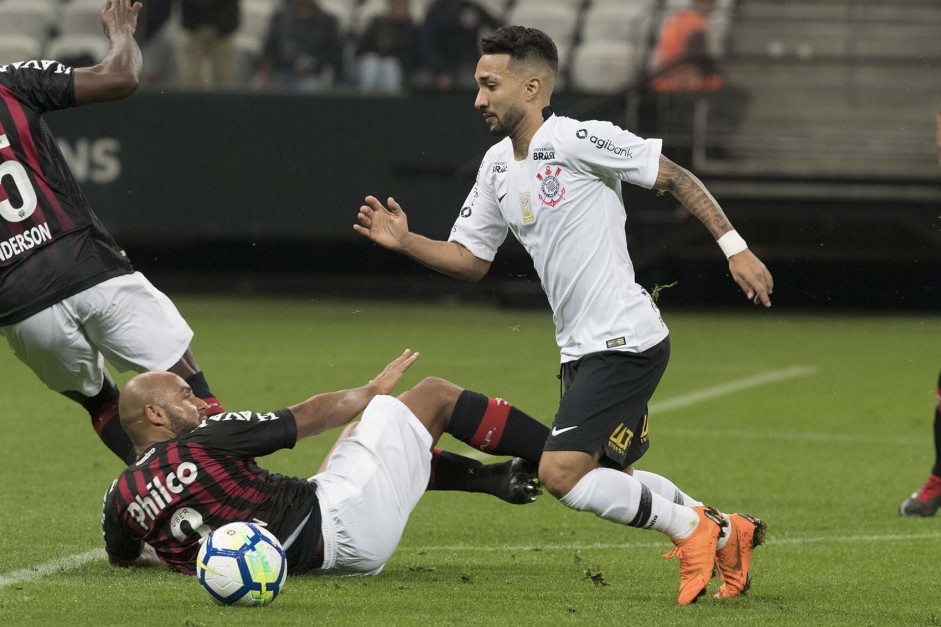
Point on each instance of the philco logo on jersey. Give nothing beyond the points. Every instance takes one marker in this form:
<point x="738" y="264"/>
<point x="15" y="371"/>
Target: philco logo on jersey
<point x="546" y="153"/>
<point x="159" y="496"/>
<point x="604" y="144"/>
<point x="551" y="191"/>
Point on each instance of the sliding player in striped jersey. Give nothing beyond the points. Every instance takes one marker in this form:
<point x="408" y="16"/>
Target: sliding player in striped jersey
<point x="196" y="473"/>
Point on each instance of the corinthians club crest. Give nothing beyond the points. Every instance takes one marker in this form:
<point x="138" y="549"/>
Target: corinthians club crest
<point x="551" y="192"/>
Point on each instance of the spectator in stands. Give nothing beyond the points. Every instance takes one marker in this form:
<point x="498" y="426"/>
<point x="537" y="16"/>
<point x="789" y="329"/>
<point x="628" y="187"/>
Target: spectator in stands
<point x="450" y="39"/>
<point x="302" y="50"/>
<point x="684" y="71"/>
<point x="386" y="50"/>
<point x="681" y="61"/>
<point x="209" y="27"/>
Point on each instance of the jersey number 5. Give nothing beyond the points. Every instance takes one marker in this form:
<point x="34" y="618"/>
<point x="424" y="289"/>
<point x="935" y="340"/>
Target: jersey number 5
<point x="15" y="172"/>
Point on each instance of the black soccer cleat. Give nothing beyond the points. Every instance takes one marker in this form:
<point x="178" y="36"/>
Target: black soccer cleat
<point x="520" y="484"/>
<point x="913" y="506"/>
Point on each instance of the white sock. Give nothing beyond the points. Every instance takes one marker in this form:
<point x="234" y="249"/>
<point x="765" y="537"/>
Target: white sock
<point x="667" y="489"/>
<point x="619" y="497"/>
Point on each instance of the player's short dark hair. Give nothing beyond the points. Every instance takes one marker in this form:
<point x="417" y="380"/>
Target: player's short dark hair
<point x="522" y="43"/>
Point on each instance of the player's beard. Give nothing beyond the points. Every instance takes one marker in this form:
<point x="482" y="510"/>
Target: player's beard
<point x="511" y="121"/>
<point x="178" y="423"/>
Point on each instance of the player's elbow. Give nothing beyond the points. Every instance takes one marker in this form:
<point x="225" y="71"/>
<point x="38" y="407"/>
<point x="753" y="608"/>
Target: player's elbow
<point x="99" y="85"/>
<point x="473" y="270"/>
<point x="124" y="84"/>
<point x="472" y="275"/>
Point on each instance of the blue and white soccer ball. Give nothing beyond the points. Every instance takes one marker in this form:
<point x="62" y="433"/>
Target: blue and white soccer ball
<point x="241" y="564"/>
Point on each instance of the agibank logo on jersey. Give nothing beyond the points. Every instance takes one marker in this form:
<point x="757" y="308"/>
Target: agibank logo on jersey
<point x="551" y="191"/>
<point x="604" y="144"/>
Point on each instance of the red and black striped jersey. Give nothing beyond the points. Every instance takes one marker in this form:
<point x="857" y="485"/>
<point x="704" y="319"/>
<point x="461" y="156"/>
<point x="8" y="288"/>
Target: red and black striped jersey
<point x="180" y="490"/>
<point x="52" y="245"/>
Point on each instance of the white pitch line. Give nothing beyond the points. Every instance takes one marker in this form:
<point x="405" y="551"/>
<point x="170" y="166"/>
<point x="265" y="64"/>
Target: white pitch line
<point x="70" y="562"/>
<point x="738" y="385"/>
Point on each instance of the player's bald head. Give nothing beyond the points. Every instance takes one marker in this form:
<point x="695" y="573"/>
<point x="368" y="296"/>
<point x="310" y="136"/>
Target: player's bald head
<point x="531" y="52"/>
<point x="149" y="388"/>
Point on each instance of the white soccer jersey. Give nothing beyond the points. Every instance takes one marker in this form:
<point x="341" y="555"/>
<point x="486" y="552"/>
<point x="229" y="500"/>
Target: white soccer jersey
<point x="564" y="204"/>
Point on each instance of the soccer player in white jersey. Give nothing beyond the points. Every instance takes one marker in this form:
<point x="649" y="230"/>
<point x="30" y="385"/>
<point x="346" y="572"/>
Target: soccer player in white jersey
<point x="555" y="183"/>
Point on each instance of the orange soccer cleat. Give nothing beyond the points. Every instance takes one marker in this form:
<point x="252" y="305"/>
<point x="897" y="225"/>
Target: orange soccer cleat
<point x="697" y="555"/>
<point x="733" y="560"/>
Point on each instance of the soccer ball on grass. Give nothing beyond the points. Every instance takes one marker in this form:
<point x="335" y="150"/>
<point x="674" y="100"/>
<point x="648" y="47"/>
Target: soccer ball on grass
<point x="241" y="564"/>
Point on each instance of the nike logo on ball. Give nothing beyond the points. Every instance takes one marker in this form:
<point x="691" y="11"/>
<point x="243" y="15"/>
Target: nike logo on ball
<point x="556" y="432"/>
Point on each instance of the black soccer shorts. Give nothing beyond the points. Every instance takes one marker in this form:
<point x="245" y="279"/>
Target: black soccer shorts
<point x="604" y="407"/>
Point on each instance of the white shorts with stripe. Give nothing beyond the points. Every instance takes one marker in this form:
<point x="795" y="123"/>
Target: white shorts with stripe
<point x="372" y="482"/>
<point x="124" y="320"/>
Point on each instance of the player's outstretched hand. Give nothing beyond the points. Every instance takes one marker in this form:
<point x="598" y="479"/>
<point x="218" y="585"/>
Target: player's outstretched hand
<point x="119" y="14"/>
<point x="385" y="381"/>
<point x="752" y="276"/>
<point x="387" y="227"/>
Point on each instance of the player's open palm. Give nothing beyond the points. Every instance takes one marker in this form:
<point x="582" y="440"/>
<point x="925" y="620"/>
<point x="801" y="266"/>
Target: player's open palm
<point x="118" y="14"/>
<point x="385" y="381"/>
<point x="385" y="226"/>
<point x="752" y="276"/>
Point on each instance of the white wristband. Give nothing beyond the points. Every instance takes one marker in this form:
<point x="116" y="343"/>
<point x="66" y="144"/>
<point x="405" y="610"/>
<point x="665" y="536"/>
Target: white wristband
<point x="731" y="243"/>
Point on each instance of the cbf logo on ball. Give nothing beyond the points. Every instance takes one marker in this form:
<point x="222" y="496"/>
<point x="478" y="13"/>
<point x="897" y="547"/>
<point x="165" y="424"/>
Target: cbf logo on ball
<point x="551" y="191"/>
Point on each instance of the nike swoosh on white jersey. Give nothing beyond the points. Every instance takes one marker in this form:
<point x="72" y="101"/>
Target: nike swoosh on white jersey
<point x="556" y="432"/>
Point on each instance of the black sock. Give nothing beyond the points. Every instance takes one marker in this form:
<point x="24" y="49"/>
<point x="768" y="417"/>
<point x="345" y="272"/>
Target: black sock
<point x="103" y="409"/>
<point x="450" y="471"/>
<point x="197" y="383"/>
<point x="937" y="433"/>
<point x="494" y="426"/>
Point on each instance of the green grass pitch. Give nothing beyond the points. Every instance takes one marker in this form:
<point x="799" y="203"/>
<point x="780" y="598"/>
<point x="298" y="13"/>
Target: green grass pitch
<point x="818" y="424"/>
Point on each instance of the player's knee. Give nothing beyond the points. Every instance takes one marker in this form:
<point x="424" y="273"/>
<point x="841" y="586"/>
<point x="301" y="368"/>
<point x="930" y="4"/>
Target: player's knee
<point x="557" y="479"/>
<point x="439" y="389"/>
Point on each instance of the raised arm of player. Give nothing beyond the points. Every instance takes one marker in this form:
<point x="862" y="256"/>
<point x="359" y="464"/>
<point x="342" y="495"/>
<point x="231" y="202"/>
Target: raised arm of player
<point x="388" y="227"/>
<point x="747" y="270"/>
<point x="116" y="77"/>
<point x="334" y="409"/>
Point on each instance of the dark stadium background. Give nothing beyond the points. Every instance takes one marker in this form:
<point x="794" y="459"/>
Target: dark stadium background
<point x="832" y="176"/>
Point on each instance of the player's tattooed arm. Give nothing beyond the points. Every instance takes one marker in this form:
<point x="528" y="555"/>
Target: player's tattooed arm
<point x="747" y="270"/>
<point x="693" y="195"/>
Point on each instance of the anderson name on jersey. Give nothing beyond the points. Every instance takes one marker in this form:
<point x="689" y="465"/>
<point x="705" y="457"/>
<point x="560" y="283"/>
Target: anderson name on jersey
<point x="564" y="204"/>
<point x="181" y="489"/>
